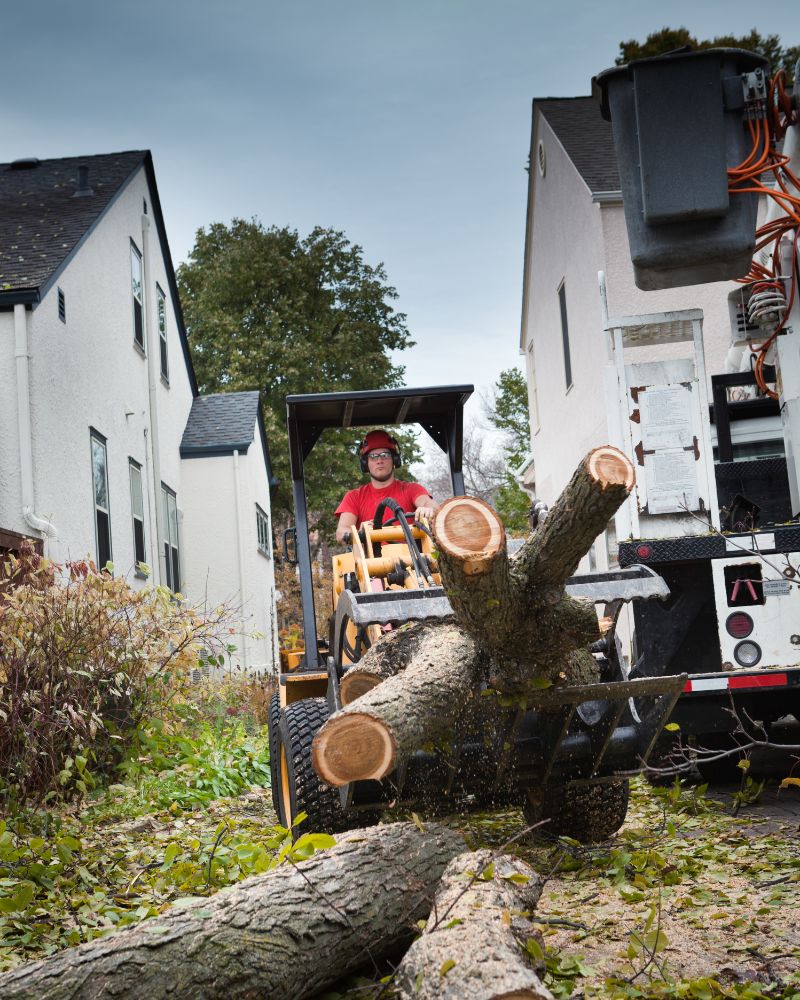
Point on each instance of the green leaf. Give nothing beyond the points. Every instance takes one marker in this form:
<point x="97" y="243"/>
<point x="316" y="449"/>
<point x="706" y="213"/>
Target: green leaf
<point x="446" y="966"/>
<point x="672" y="727"/>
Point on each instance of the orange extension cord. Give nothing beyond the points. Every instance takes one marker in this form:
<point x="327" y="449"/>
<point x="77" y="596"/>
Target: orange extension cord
<point x="766" y="131"/>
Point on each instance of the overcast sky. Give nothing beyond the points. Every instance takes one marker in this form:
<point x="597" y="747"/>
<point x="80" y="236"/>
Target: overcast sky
<point x="406" y="124"/>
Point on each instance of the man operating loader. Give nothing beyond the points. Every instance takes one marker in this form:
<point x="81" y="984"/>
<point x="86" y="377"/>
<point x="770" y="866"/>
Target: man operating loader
<point x="379" y="454"/>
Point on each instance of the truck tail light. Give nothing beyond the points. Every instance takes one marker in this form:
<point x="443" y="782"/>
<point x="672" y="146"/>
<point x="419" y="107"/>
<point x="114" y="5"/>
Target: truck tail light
<point x="739" y="625"/>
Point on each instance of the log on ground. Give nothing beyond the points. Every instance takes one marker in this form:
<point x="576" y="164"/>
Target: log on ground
<point x="474" y="941"/>
<point x="284" y="935"/>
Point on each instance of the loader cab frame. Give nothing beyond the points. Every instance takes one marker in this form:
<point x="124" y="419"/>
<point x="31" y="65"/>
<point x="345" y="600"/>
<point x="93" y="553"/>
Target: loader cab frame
<point x="438" y="410"/>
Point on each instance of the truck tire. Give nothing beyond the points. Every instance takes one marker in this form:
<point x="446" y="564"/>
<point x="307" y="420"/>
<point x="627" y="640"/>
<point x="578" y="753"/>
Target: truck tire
<point x="300" y="789"/>
<point x="588" y="813"/>
<point x="272" y="727"/>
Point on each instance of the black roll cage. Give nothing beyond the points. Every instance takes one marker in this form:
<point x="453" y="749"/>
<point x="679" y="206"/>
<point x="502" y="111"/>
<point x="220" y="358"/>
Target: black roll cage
<point x="438" y="410"/>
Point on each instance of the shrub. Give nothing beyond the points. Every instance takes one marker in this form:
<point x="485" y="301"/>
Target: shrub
<point x="83" y="657"/>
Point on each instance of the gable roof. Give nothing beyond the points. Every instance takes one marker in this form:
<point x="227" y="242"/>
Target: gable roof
<point x="41" y="219"/>
<point x="586" y="137"/>
<point x="224" y="423"/>
<point x="43" y="224"/>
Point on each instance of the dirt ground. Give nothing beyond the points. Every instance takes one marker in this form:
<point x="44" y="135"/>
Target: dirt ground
<point x="720" y="894"/>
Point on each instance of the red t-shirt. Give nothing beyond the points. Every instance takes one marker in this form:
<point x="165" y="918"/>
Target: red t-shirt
<point x="363" y="502"/>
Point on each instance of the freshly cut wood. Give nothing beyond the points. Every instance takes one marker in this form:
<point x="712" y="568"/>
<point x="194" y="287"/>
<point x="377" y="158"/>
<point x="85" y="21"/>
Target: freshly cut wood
<point x="474" y="941"/>
<point x="515" y="629"/>
<point x="392" y="653"/>
<point x="284" y="935"/>
<point x="418" y="706"/>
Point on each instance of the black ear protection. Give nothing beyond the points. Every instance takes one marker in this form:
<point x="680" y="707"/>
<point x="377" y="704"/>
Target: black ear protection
<point x="397" y="459"/>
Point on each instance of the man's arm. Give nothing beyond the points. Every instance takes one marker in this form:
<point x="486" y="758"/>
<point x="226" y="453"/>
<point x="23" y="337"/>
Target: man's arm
<point x="425" y="506"/>
<point x="346" y="522"/>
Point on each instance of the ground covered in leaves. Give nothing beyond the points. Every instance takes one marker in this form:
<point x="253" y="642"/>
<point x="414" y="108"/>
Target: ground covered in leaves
<point x="688" y="901"/>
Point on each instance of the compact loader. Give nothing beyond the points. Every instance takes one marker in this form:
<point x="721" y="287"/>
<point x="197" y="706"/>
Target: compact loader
<point x="560" y="759"/>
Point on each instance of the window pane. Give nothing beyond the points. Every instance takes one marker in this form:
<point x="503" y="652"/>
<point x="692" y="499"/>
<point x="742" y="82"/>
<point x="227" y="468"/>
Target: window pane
<point x="138" y="324"/>
<point x="562" y="301"/>
<point x="162" y="313"/>
<point x="100" y="473"/>
<point x="168" y="564"/>
<point x="137" y="502"/>
<point x="136" y="274"/>
<point x="172" y="506"/>
<point x="164" y="363"/>
<point x="103" y="538"/>
<point x="176" y="572"/>
<point x="138" y="540"/>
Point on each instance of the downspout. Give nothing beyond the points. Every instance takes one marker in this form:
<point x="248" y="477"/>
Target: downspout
<point x="237" y="493"/>
<point x="22" y="356"/>
<point x="152" y="392"/>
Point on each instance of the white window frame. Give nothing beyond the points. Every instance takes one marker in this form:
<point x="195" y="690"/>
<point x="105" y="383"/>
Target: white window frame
<point x="263" y="532"/>
<point x="137" y="295"/>
<point x="171" y="541"/>
<point x="98" y="446"/>
<point x="137" y="484"/>
<point x="161" y="313"/>
<point x="567" y="353"/>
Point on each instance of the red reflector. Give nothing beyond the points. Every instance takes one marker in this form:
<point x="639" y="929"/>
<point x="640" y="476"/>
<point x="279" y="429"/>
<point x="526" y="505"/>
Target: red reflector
<point x="687" y="687"/>
<point x="759" y="681"/>
<point x="643" y="551"/>
<point x="739" y="625"/>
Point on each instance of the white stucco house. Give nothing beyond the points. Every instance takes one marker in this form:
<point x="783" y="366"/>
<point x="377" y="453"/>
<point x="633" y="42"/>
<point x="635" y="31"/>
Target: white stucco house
<point x="576" y="228"/>
<point x="106" y="448"/>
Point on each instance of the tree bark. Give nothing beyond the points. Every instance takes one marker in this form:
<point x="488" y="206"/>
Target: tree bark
<point x="284" y="935"/>
<point x="420" y="705"/>
<point x="515" y="627"/>
<point x="391" y="654"/>
<point x="474" y="941"/>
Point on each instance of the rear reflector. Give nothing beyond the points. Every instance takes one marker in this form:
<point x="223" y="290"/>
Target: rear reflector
<point x="736" y="683"/>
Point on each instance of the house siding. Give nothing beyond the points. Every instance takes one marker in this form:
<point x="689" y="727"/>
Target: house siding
<point x="89" y="373"/>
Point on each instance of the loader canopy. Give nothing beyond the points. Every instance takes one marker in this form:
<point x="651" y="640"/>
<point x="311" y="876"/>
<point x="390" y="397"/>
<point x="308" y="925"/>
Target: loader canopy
<point x="438" y="410"/>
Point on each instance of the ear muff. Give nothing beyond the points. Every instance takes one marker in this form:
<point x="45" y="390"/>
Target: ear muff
<point x="397" y="458"/>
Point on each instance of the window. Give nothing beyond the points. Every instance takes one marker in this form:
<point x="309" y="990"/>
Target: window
<point x="264" y="534"/>
<point x="102" y="518"/>
<point x="533" y="393"/>
<point x="137" y="511"/>
<point x="171" y="551"/>
<point x="62" y="306"/>
<point x="562" y="301"/>
<point x="138" y="301"/>
<point x="161" y="302"/>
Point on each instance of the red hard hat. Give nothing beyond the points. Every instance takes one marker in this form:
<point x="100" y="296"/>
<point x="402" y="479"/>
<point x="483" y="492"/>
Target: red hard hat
<point x="378" y="439"/>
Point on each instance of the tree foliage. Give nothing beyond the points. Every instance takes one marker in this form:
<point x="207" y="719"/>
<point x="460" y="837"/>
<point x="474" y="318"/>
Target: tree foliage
<point x="508" y="413"/>
<point x="668" y="39"/>
<point x="270" y="310"/>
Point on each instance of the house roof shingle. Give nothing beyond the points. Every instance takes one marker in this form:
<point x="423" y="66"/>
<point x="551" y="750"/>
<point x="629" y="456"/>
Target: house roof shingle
<point x="223" y="423"/>
<point x="41" y="220"/>
<point x="586" y="137"/>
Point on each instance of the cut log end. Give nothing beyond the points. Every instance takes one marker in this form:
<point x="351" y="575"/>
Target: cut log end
<point x="470" y="531"/>
<point x="608" y="466"/>
<point x="356" y="683"/>
<point x="353" y="747"/>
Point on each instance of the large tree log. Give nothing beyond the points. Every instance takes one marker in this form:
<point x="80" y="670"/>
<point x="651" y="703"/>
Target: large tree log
<point x="284" y="935"/>
<point x="515" y="626"/>
<point x="392" y="653"/>
<point x="474" y="941"/>
<point x="421" y="705"/>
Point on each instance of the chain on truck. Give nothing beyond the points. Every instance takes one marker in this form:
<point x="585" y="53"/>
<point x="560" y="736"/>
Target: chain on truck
<point x="716" y="509"/>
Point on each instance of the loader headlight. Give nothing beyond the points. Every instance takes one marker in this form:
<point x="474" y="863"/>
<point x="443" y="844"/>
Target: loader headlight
<point x="747" y="653"/>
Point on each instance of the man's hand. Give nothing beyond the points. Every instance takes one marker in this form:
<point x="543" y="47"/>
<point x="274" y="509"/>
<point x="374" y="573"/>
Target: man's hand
<point x="425" y="513"/>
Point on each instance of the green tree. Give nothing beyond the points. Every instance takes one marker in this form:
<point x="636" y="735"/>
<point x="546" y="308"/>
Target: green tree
<point x="668" y="39"/>
<point x="270" y="310"/>
<point x="508" y="413"/>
